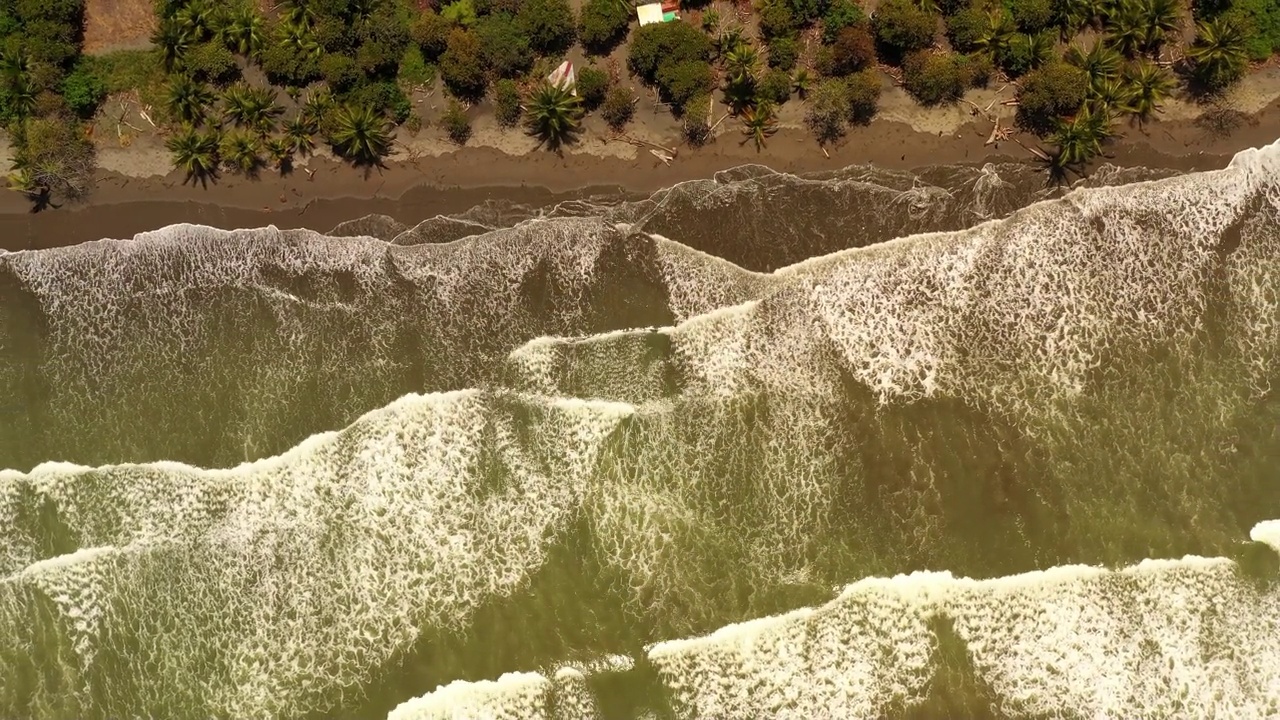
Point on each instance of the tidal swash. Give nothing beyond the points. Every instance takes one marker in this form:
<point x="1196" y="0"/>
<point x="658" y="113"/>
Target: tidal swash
<point x="854" y="445"/>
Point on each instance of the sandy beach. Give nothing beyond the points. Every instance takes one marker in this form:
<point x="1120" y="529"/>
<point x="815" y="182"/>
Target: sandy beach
<point x="137" y="191"/>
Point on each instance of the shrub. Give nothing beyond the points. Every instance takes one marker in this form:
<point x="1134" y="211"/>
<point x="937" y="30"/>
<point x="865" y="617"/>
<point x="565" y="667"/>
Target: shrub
<point x="1026" y="53"/>
<point x="1259" y="21"/>
<point x="332" y="34"/>
<point x="980" y="69"/>
<point x="84" y="91"/>
<point x="506" y="103"/>
<point x="966" y="28"/>
<point x="1053" y="91"/>
<point x="459" y="12"/>
<point x="827" y="110"/>
<point x="548" y="24"/>
<point x="1032" y="16"/>
<point x="59" y="157"/>
<point x="413" y="70"/>
<point x="783" y="53"/>
<point x="462" y="65"/>
<point x="619" y="107"/>
<point x="593" y="83"/>
<point x="455" y="122"/>
<point x="126" y="70"/>
<point x="775" y="86"/>
<point x="840" y="15"/>
<point x="340" y="72"/>
<point x="902" y="27"/>
<point x="777" y="20"/>
<point x="667" y="43"/>
<point x="431" y="33"/>
<point x="383" y="97"/>
<point x="378" y="58"/>
<point x="853" y="50"/>
<point x="603" y="25"/>
<point x="284" y="65"/>
<point x="494" y="7"/>
<point x="806" y="12"/>
<point x="682" y="82"/>
<point x="694" y="125"/>
<point x="503" y="46"/>
<point x="864" y="95"/>
<point x="933" y="79"/>
<point x="212" y="62"/>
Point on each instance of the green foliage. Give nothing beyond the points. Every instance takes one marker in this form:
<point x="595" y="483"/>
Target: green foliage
<point x="775" y="87"/>
<point x="189" y="99"/>
<point x="1219" y="54"/>
<point x="298" y="132"/>
<point x="694" y="125"/>
<point x="783" y="53"/>
<point x="462" y="65"/>
<point x="459" y="12"/>
<point x="413" y="71"/>
<point x="593" y="83"/>
<point x="1259" y="22"/>
<point x="195" y="153"/>
<point x="980" y="69"/>
<point x="360" y="135"/>
<point x="933" y="79"/>
<point x="902" y="27"/>
<point x="53" y="159"/>
<point x="853" y="50"/>
<point x="549" y="25"/>
<point x="383" y="97"/>
<point x="777" y="20"/>
<point x="603" y="25"/>
<point x="864" y="95"/>
<point x="552" y="115"/>
<point x="241" y="152"/>
<point x="455" y="122"/>
<point x="333" y="34"/>
<point x="506" y="102"/>
<point x="1141" y="26"/>
<point x="280" y="153"/>
<point x="618" y="108"/>
<point x="681" y="82"/>
<point x="284" y="65"/>
<point x="653" y="46"/>
<point x="84" y="91"/>
<point x="806" y="12"/>
<point x="840" y="15"/>
<point x="1026" y="53"/>
<point x="1149" y="84"/>
<point x="827" y="110"/>
<point x="340" y="72"/>
<point x="503" y="45"/>
<point x="251" y="107"/>
<point x="431" y="33"/>
<point x="759" y="123"/>
<point x="127" y="70"/>
<point x="1080" y="138"/>
<point x="211" y="62"/>
<point x="243" y="31"/>
<point x="968" y="29"/>
<point x="1055" y="90"/>
<point x="1031" y="16"/>
<point x="1100" y="62"/>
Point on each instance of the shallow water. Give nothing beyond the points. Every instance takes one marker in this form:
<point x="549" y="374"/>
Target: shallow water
<point x="858" y="444"/>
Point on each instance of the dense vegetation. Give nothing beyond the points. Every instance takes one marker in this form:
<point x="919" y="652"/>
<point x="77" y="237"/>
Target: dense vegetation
<point x="344" y="70"/>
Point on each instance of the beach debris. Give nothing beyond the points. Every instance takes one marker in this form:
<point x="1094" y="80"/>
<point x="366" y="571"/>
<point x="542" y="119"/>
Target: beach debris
<point x="143" y="113"/>
<point x="998" y="134"/>
<point x="564" y="78"/>
<point x="665" y="158"/>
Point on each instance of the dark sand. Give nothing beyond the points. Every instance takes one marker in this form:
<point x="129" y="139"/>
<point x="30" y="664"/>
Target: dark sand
<point x="122" y="206"/>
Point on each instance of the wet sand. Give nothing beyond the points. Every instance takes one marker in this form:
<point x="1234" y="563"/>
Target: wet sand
<point x="327" y="192"/>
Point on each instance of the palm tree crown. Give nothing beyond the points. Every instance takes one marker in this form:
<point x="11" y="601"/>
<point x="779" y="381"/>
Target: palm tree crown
<point x="195" y="153"/>
<point x="188" y="99"/>
<point x="1219" y="53"/>
<point x="360" y="134"/>
<point x="1149" y="84"/>
<point x="552" y="115"/>
<point x="759" y="122"/>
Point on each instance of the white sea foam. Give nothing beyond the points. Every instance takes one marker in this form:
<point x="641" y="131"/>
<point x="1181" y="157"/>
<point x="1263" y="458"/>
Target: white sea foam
<point x="1268" y="533"/>
<point x="514" y="696"/>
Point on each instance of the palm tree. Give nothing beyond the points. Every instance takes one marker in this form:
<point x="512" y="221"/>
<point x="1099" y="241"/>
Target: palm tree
<point x="759" y="122"/>
<point x="172" y="42"/>
<point x="197" y="19"/>
<point x="1110" y="97"/>
<point x="195" y="153"/>
<point x="241" y="151"/>
<point x="1128" y="28"/>
<point x="1079" y="139"/>
<point x="251" y="107"/>
<point x="361" y="135"/>
<point x="242" y="31"/>
<point x="298" y="38"/>
<point x="297" y="12"/>
<point x="801" y="82"/>
<point x="999" y="34"/>
<point x="188" y="99"/>
<point x="552" y="115"/>
<point x="1079" y="14"/>
<point x="297" y="132"/>
<point x="316" y="105"/>
<point x="1218" y="54"/>
<point x="1149" y="84"/>
<point x="15" y="74"/>
<point x="1160" y="19"/>
<point x="280" y="150"/>
<point x="1100" y="62"/>
<point x="742" y="63"/>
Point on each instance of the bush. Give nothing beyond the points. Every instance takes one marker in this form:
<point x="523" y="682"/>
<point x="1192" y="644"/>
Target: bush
<point x="619" y="107"/>
<point x="462" y="65"/>
<point x="694" y="125"/>
<point x="783" y="53"/>
<point x="864" y="95"/>
<point x="777" y="20"/>
<point x="384" y="97"/>
<point x="460" y="12"/>
<point x="933" y="79"/>
<point x="431" y="33"/>
<point x="1032" y="16"/>
<point x="212" y="62"/>
<point x="775" y="86"/>
<point x="126" y="70"/>
<point x="806" y="12"/>
<point x="603" y="25"/>
<point x="506" y="103"/>
<point x="980" y="69"/>
<point x="853" y="50"/>
<point x="60" y="158"/>
<point x="548" y="24"/>
<point x="284" y="65"/>
<point x="966" y="28"/>
<point x="333" y="35"/>
<point x="593" y="83"/>
<point x="667" y="43"/>
<point x="827" y="110"/>
<point x="1053" y="91"/>
<point x="455" y="122"/>
<point x="840" y="15"/>
<point x="378" y="58"/>
<point x="684" y="81"/>
<point x="1026" y="53"/>
<point x="503" y="46"/>
<point x="1259" y="20"/>
<point x="84" y="91"/>
<point x="902" y="27"/>
<point x="340" y="72"/>
<point x="413" y="71"/>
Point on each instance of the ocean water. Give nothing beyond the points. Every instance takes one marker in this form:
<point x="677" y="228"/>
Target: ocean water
<point x="860" y="444"/>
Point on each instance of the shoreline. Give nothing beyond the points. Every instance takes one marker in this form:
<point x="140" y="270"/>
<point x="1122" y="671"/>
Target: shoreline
<point x="324" y="192"/>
